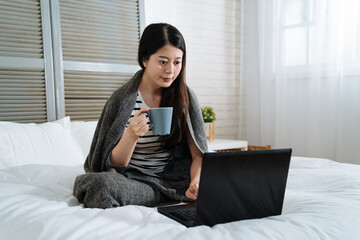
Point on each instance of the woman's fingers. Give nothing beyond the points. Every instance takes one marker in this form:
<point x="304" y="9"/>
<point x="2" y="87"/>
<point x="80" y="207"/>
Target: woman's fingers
<point x="138" y="123"/>
<point x="142" y="110"/>
<point x="192" y="191"/>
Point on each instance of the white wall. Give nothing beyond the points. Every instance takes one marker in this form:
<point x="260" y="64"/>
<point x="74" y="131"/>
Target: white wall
<point x="251" y="87"/>
<point x="211" y="32"/>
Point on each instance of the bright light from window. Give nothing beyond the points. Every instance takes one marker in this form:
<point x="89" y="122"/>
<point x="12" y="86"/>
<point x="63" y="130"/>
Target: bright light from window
<point x="330" y="28"/>
<point x="296" y="47"/>
<point x="295" y="12"/>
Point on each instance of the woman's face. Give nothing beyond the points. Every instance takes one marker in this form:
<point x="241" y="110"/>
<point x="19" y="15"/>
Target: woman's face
<point x="163" y="66"/>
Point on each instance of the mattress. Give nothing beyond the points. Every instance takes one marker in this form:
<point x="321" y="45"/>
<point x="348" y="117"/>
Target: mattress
<point x="322" y="201"/>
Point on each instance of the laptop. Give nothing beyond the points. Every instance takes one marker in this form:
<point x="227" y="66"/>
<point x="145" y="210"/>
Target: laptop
<point x="236" y="186"/>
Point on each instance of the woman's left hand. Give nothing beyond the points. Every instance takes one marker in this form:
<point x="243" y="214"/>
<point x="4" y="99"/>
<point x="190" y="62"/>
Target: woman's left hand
<point x="192" y="191"/>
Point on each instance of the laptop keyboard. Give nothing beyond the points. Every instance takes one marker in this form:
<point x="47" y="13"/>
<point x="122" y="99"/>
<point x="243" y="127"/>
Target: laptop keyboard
<point x="186" y="214"/>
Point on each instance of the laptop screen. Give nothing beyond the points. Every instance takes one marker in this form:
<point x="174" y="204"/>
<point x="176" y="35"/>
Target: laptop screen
<point x="242" y="185"/>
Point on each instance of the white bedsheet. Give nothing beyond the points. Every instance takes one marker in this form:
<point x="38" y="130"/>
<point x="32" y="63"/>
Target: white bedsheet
<point x="322" y="201"/>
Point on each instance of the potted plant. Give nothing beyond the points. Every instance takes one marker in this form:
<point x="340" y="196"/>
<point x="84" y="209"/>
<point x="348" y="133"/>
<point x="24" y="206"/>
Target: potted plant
<point x="209" y="117"/>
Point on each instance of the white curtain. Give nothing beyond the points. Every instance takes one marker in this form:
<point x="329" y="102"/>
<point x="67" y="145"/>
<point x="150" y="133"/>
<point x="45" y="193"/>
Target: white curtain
<point x="309" y="77"/>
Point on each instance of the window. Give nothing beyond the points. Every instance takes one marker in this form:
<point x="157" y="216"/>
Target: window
<point x="99" y="46"/>
<point x="25" y="62"/>
<point x="323" y="32"/>
<point x="62" y="57"/>
<point x="299" y="21"/>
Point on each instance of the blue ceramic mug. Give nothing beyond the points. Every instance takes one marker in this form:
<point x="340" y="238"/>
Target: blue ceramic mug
<point x="160" y="120"/>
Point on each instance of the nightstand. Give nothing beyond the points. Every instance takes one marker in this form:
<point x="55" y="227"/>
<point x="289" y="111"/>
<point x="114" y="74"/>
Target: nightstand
<point x="223" y="145"/>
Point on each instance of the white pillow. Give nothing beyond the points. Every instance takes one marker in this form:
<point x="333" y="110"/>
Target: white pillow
<point x="83" y="132"/>
<point x="46" y="143"/>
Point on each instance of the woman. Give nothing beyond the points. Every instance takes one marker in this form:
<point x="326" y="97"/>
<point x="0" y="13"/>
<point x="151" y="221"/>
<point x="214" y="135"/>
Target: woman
<point x="127" y="164"/>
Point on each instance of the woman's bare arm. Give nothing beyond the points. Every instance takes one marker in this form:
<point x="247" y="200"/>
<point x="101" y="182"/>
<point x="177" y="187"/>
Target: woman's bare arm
<point x="122" y="152"/>
<point x="195" y="168"/>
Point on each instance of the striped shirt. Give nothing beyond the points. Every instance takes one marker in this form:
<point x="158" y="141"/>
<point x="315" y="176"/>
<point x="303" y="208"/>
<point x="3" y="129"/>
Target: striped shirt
<point x="149" y="156"/>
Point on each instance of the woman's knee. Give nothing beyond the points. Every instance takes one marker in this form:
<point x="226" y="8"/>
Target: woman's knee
<point x="97" y="190"/>
<point x="111" y="189"/>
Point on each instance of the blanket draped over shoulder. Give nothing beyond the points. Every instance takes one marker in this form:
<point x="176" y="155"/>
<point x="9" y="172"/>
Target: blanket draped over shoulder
<point x="111" y="126"/>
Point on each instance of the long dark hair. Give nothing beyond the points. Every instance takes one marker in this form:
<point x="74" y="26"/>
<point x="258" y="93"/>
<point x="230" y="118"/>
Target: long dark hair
<point x="154" y="37"/>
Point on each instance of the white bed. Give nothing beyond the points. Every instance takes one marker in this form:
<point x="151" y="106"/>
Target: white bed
<point x="322" y="199"/>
